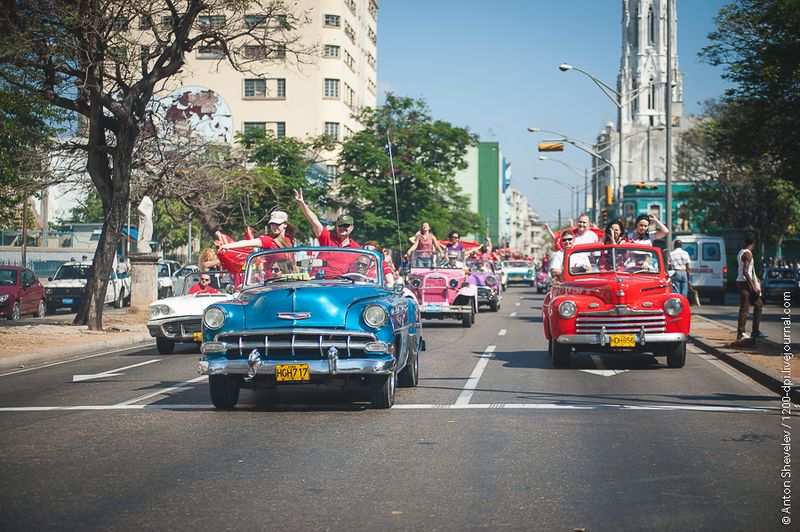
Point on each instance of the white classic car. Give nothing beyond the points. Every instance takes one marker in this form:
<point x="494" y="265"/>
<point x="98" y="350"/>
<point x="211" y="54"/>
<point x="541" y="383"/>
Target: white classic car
<point x="520" y="271"/>
<point x="177" y="319"/>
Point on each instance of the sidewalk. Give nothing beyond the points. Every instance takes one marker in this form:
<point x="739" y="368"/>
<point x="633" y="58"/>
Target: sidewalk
<point x="28" y="345"/>
<point x="764" y="362"/>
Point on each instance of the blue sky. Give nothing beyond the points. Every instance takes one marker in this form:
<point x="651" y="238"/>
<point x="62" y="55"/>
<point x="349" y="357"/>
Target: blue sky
<point x="493" y="67"/>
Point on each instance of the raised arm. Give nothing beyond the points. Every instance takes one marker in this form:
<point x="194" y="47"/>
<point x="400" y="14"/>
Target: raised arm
<point x="413" y="246"/>
<point x="662" y="230"/>
<point x="251" y="243"/>
<point x="316" y="225"/>
<point x="550" y="231"/>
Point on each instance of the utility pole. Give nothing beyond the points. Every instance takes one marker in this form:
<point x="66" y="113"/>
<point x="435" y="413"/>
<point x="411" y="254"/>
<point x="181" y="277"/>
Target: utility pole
<point x="669" y="126"/>
<point x="559" y="218"/>
<point x="24" y="230"/>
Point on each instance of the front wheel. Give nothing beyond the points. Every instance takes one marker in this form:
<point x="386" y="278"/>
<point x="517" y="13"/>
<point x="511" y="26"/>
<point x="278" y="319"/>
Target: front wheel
<point x="165" y="346"/>
<point x="382" y="390"/>
<point x="466" y="320"/>
<point x="14" y="316"/>
<point x="40" y="310"/>
<point x="119" y="300"/>
<point x="224" y="390"/>
<point x="493" y="306"/>
<point x="676" y="357"/>
<point x="409" y="377"/>
<point x="559" y="354"/>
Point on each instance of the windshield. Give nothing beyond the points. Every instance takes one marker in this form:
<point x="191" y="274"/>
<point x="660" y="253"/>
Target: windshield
<point x="425" y="259"/>
<point x="313" y="264"/>
<point x="479" y="265"/>
<point x="163" y="270"/>
<point x="8" y="277"/>
<point x="618" y="260"/>
<point x="516" y="264"/>
<point x="219" y="281"/>
<point x="73" y="271"/>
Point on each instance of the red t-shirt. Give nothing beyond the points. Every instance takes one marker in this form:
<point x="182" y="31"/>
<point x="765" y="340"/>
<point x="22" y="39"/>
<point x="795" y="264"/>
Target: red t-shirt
<point x="197" y="289"/>
<point x="326" y="238"/>
<point x="338" y="263"/>
<point x="268" y="242"/>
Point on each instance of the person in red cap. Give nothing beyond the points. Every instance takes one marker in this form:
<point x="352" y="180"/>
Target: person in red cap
<point x="279" y="235"/>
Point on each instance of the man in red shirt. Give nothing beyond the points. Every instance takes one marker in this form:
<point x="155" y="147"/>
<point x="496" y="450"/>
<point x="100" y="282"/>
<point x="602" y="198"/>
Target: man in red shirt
<point x="204" y="286"/>
<point x="340" y="238"/>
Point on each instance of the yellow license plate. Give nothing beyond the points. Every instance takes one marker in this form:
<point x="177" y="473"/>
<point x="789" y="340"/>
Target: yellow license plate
<point x="198" y="337"/>
<point x="292" y="373"/>
<point x="623" y="340"/>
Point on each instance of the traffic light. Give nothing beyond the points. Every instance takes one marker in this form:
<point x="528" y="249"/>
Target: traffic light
<point x="609" y="195"/>
<point x="604" y="216"/>
<point x="643" y="186"/>
<point x="551" y="146"/>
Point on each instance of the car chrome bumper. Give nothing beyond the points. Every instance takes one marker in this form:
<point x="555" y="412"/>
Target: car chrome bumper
<point x="358" y="366"/>
<point x="446" y="311"/>
<point x="604" y="340"/>
<point x="182" y="329"/>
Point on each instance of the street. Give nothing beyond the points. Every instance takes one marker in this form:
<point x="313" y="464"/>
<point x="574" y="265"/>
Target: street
<point x="493" y="438"/>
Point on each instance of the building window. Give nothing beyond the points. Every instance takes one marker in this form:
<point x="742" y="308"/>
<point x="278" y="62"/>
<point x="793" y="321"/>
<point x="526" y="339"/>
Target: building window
<point x="371" y="87"/>
<point x="211" y="22"/>
<point x="145" y="22"/>
<point x="249" y="126"/>
<point x="372" y="7"/>
<point x="351" y="34"/>
<point x="120" y="23"/>
<point x="349" y="61"/>
<point x="254" y="21"/>
<point x="349" y="96"/>
<point x="278" y="51"/>
<point x="280" y="129"/>
<point x="333" y="21"/>
<point x="331" y="50"/>
<point x="636" y="26"/>
<point x="166" y="22"/>
<point x="351" y="4"/>
<point x="651" y="96"/>
<point x="255" y="51"/>
<point x="274" y="88"/>
<point x="332" y="130"/>
<point x="332" y="172"/>
<point x="372" y="36"/>
<point x="331" y="88"/>
<point x="371" y="61"/>
<point x="210" y="52"/>
<point x="651" y="27"/>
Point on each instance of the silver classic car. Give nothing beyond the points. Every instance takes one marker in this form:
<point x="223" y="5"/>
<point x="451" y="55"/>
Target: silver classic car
<point x="311" y="315"/>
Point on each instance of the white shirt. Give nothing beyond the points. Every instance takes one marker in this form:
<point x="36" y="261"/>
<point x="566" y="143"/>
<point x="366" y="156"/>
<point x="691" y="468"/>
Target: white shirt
<point x="680" y="259"/>
<point x="557" y="260"/>
<point x="635" y="237"/>
<point x="588" y="237"/>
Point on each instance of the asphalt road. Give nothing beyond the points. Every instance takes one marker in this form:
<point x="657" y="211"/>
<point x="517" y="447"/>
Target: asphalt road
<point x="493" y="438"/>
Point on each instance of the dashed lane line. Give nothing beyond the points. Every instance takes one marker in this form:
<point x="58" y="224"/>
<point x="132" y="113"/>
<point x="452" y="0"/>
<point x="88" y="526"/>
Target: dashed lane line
<point x="502" y="332"/>
<point x="472" y="382"/>
<point x="512" y="315"/>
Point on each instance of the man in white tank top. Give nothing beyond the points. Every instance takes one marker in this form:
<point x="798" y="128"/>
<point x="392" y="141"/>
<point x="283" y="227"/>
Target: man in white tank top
<point x="749" y="290"/>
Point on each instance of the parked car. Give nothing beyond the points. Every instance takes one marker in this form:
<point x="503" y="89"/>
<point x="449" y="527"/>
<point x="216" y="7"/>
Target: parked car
<point x="312" y="315"/>
<point x="482" y="275"/>
<point x="177" y="319"/>
<point x="542" y="281"/>
<point x="20" y="293"/>
<point x="66" y="287"/>
<point x="615" y="299"/>
<point x="442" y="289"/>
<point x="520" y="271"/>
<point x="708" y="270"/>
<point x="777" y="281"/>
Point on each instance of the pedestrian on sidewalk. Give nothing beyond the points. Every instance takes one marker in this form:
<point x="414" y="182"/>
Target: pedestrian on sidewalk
<point x="749" y="291"/>
<point x="680" y="263"/>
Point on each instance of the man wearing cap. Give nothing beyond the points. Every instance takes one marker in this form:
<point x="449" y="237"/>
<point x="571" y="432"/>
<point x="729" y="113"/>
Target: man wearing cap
<point x="277" y="237"/>
<point x="344" y="226"/>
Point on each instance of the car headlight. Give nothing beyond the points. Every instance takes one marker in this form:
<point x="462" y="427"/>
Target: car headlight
<point x="673" y="307"/>
<point x="214" y="318"/>
<point x="375" y="316"/>
<point x="154" y="311"/>
<point x="415" y="282"/>
<point x="3" y="298"/>
<point x="491" y="280"/>
<point x="567" y="309"/>
<point x="453" y="283"/>
<point x="48" y="290"/>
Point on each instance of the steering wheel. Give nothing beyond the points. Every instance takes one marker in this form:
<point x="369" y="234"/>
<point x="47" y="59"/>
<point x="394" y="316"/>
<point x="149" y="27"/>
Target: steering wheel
<point x="355" y="276"/>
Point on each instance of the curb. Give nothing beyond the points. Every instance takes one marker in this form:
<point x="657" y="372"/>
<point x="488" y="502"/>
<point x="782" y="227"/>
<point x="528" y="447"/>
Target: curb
<point x="59" y="354"/>
<point x="772" y="382"/>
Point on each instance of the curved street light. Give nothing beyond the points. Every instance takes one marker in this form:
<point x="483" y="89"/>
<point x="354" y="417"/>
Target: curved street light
<point x="572" y="189"/>
<point x="577" y="171"/>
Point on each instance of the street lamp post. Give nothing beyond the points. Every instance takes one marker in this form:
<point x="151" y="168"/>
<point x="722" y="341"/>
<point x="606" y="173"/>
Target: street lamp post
<point x="584" y="174"/>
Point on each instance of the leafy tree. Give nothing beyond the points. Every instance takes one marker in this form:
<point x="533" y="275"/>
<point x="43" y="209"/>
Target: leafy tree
<point x="87" y="58"/>
<point x="426" y="154"/>
<point x="757" y="43"/>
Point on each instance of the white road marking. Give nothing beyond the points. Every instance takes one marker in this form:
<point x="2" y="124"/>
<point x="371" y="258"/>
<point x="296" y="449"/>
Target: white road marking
<point x="110" y="373"/>
<point x="472" y="382"/>
<point x="512" y="315"/>
<point x="517" y="303"/>
<point x="430" y="406"/>
<point x="602" y="369"/>
<point x="502" y="332"/>
<point x="76" y="359"/>
<point x="163" y="391"/>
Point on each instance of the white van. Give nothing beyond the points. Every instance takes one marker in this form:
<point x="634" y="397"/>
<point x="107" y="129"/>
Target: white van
<point x="709" y="269"/>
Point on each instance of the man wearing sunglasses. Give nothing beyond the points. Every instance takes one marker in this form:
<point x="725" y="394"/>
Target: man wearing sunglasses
<point x="557" y="261"/>
<point x="203" y="286"/>
<point x="344" y="226"/>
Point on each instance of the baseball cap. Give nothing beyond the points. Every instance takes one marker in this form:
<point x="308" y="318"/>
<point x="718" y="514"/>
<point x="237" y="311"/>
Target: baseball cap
<point x="344" y="219"/>
<point x="278" y="217"/>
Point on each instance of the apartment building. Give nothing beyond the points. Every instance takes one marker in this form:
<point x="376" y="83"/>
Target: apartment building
<point x="300" y="99"/>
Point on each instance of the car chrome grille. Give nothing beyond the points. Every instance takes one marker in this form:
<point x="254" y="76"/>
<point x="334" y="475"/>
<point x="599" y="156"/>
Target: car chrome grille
<point x="182" y="328"/>
<point x="303" y="344"/>
<point x="593" y="322"/>
<point x="66" y="292"/>
<point x="434" y="290"/>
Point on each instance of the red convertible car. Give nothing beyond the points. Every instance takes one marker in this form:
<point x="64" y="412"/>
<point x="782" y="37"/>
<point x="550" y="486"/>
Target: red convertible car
<point x="615" y="299"/>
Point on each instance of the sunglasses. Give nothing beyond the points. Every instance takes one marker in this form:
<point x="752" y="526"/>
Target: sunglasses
<point x="275" y="269"/>
<point x="566" y="240"/>
<point x="344" y="226"/>
<point x="205" y="280"/>
<point x="362" y="265"/>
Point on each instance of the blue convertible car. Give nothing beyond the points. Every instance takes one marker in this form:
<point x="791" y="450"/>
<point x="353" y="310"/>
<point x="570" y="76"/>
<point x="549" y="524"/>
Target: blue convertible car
<point x="312" y="315"/>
